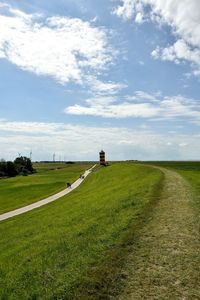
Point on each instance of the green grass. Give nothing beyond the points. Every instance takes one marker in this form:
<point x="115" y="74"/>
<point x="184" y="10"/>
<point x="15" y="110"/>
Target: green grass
<point x="177" y="165"/>
<point x="164" y="261"/>
<point x="193" y="177"/>
<point x="50" y="178"/>
<point x="190" y="170"/>
<point x="61" y="250"/>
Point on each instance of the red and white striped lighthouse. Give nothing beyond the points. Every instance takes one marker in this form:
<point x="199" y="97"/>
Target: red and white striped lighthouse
<point x="102" y="160"/>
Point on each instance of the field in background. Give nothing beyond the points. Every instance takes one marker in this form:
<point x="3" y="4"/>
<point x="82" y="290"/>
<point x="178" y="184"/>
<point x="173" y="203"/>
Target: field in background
<point x="56" y="251"/>
<point x="50" y="178"/>
<point x="177" y="165"/>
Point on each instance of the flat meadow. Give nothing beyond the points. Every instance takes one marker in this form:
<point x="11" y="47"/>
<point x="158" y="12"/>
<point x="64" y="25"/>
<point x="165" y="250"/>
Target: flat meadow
<point x="49" y="179"/>
<point x="68" y="248"/>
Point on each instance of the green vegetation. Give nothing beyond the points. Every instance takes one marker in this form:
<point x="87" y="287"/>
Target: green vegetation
<point x="22" y="165"/>
<point x="177" y="165"/>
<point x="50" y="178"/>
<point x="66" y="249"/>
<point x="164" y="260"/>
<point x="41" y="167"/>
<point x="191" y="172"/>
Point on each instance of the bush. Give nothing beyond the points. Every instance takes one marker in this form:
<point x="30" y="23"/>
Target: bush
<point x="22" y="165"/>
<point x="2" y="174"/>
<point x="11" y="170"/>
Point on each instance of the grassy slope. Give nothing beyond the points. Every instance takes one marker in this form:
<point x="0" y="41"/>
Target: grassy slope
<point x="21" y="190"/>
<point x="190" y="171"/>
<point x="50" y="252"/>
<point x="165" y="259"/>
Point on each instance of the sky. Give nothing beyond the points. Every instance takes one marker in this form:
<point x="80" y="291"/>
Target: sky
<point x="80" y="76"/>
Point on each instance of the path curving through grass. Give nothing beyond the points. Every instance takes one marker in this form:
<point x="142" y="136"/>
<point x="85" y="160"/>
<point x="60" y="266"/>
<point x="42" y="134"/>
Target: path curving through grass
<point x="45" y="201"/>
<point x="50" y="252"/>
<point x="165" y="259"/>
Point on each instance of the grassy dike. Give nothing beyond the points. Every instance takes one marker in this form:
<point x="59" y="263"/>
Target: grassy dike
<point x="50" y="178"/>
<point x="75" y="247"/>
<point x="190" y="170"/>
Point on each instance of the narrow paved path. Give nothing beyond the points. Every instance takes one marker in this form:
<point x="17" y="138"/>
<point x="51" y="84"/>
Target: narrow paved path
<point x="165" y="260"/>
<point x="45" y="201"/>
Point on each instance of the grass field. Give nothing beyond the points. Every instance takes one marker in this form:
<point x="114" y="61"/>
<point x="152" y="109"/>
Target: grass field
<point x="164" y="261"/>
<point x="177" y="165"/>
<point x="191" y="172"/>
<point x="50" y="178"/>
<point x="194" y="178"/>
<point x="64" y="249"/>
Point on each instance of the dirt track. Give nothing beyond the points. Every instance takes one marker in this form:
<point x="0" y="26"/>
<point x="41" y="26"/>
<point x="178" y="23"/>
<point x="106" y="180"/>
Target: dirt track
<point x="165" y="261"/>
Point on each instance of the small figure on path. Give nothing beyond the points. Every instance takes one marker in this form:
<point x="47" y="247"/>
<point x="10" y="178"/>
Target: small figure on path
<point x="69" y="185"/>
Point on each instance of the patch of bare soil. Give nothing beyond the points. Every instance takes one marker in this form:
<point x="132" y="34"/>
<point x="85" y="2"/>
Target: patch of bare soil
<point x="165" y="261"/>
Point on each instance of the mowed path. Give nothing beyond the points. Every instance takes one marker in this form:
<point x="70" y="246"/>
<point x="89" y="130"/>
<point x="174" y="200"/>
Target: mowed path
<point x="45" y="201"/>
<point x="165" y="260"/>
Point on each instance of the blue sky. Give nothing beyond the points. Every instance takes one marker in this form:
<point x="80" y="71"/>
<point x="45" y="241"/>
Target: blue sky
<point x="80" y="76"/>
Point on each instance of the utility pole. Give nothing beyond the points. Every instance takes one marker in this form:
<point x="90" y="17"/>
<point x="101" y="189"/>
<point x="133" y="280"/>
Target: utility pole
<point x="31" y="154"/>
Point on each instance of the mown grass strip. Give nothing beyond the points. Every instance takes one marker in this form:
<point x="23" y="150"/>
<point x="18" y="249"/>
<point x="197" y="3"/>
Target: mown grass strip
<point x="190" y="170"/>
<point x="55" y="251"/>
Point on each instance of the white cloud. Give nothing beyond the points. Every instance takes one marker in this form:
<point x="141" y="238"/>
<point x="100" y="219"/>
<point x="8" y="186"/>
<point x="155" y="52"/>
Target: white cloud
<point x="141" y="63"/>
<point x="72" y="143"/>
<point x="140" y="105"/>
<point x="177" y="52"/>
<point x="104" y="88"/>
<point x="141" y="96"/>
<point x="109" y="108"/>
<point x="64" y="48"/>
<point x="125" y="11"/>
<point x="182" y="16"/>
<point x="179" y="106"/>
<point x="139" y="18"/>
<point x="130" y="9"/>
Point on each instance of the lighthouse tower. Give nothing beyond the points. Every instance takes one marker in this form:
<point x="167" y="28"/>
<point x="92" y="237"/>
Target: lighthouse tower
<point x="102" y="158"/>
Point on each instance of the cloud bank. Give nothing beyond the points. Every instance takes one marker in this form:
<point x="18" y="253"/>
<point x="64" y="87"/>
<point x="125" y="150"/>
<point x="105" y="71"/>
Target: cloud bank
<point x="70" y="142"/>
<point x="67" y="49"/>
<point x="182" y="16"/>
<point x="140" y="105"/>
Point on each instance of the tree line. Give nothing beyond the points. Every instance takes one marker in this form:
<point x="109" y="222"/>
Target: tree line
<point x="20" y="166"/>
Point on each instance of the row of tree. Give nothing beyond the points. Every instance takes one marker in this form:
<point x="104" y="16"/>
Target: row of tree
<point x="21" y="166"/>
